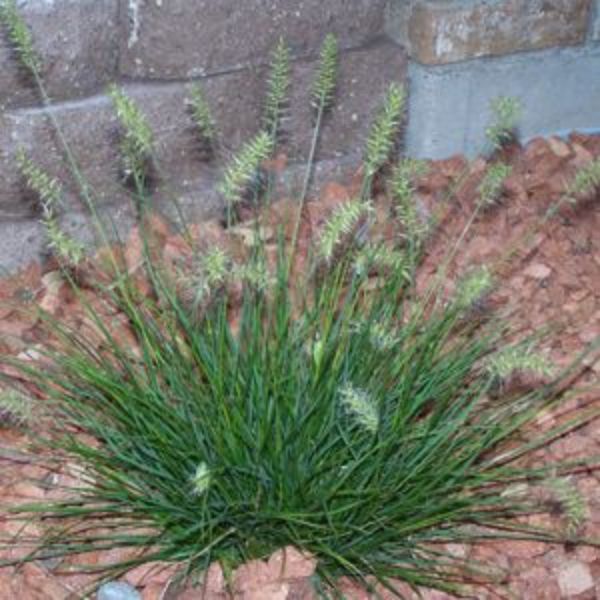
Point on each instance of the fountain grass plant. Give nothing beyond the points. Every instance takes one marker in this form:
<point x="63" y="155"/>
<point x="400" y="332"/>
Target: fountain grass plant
<point x="342" y="413"/>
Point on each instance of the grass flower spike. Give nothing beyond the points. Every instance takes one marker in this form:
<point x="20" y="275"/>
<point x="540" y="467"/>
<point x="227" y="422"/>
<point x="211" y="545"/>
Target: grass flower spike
<point x="202" y="115"/>
<point x="402" y="188"/>
<point x="519" y="359"/>
<point x="201" y="479"/>
<point x="384" y="131"/>
<point x="382" y="336"/>
<point x="381" y="258"/>
<point x="505" y="116"/>
<point x="586" y="182"/>
<point x="323" y="90"/>
<point x="492" y="186"/>
<point x="254" y="274"/>
<point x="322" y="97"/>
<point x="50" y="194"/>
<point x="210" y="274"/>
<point x="361" y="406"/>
<point x="343" y="223"/>
<point x="20" y="36"/>
<point x="15" y="409"/>
<point x="278" y="86"/>
<point x="137" y="143"/>
<point x="571" y="503"/>
<point x="243" y="169"/>
<point x="474" y="287"/>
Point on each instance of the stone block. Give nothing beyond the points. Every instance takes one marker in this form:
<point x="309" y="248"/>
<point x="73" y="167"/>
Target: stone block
<point x="449" y="106"/>
<point x="187" y="38"/>
<point x="363" y="78"/>
<point x="20" y="243"/>
<point x="445" y="31"/>
<point x="78" y="43"/>
<point x="397" y="18"/>
<point x="92" y="131"/>
<point x="595" y="24"/>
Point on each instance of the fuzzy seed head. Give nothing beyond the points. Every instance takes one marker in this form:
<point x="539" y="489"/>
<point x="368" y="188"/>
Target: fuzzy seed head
<point x="474" y="287"/>
<point x="381" y="258"/>
<point x="19" y="36"/>
<point x="382" y="137"/>
<point x="572" y="503"/>
<point x="586" y="182"/>
<point x="244" y="167"/>
<point x="492" y="186"/>
<point x="210" y="274"/>
<point x="402" y="188"/>
<point x="138" y="140"/>
<point x="323" y="90"/>
<point x="201" y="479"/>
<point x="50" y="194"/>
<point x="505" y="116"/>
<point x="382" y="337"/>
<point x="361" y="406"/>
<point x="519" y="359"/>
<point x="278" y="86"/>
<point x="343" y="222"/>
<point x="255" y="275"/>
<point x="15" y="409"/>
<point x="202" y="114"/>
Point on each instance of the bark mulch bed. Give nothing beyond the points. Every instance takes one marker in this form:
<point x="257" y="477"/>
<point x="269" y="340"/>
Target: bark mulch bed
<point x="553" y="279"/>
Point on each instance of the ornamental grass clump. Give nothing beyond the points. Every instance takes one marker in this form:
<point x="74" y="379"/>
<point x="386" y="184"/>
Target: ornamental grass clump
<point x="338" y="409"/>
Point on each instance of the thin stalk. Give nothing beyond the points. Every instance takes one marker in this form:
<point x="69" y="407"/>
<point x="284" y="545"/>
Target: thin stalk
<point x="307" y="179"/>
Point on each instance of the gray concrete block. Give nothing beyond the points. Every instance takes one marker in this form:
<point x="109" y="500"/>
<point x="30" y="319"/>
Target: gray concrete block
<point x="20" y="243"/>
<point x="78" y="43"/>
<point x="188" y="38"/>
<point x="396" y="20"/>
<point x="449" y="105"/>
<point x="92" y="131"/>
<point x="364" y="77"/>
<point x="595" y="24"/>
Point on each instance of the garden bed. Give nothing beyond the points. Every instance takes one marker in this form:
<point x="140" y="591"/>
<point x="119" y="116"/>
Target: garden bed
<point x="553" y="278"/>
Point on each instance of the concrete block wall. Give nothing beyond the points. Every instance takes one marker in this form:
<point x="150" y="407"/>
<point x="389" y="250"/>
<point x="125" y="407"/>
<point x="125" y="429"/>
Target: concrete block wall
<point x="154" y="49"/>
<point x="546" y="53"/>
<point x="462" y="54"/>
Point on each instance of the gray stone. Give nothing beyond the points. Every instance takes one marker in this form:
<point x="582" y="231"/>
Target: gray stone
<point x="364" y="77"/>
<point x="396" y="20"/>
<point x="116" y="590"/>
<point x="595" y="24"/>
<point x="92" y="131"/>
<point x="183" y="38"/>
<point x="184" y="178"/>
<point x="449" y="105"/>
<point x="575" y="578"/>
<point x="21" y="242"/>
<point x="78" y="43"/>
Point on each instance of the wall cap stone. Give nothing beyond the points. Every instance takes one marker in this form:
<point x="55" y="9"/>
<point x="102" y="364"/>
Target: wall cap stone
<point x="447" y="31"/>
